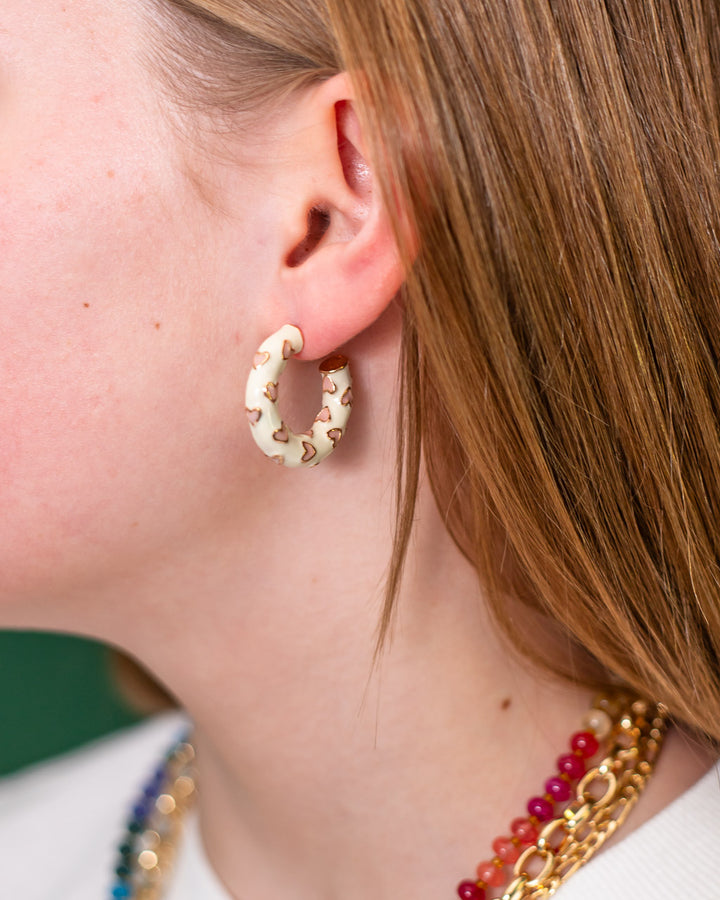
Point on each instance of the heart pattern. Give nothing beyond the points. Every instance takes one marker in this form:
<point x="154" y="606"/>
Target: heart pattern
<point x="276" y="439"/>
<point x="309" y="453"/>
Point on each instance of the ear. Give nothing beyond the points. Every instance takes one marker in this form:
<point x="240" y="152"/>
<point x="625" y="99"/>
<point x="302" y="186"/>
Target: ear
<point x="340" y="265"/>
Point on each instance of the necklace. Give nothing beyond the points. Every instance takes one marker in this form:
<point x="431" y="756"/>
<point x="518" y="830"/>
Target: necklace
<point x="146" y="852"/>
<point x="596" y="786"/>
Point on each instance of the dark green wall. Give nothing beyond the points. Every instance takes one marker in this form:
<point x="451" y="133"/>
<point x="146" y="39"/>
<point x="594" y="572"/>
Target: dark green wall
<point x="55" y="693"/>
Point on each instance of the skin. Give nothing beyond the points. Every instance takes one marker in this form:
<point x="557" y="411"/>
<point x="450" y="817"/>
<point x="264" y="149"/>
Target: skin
<point x="138" y="510"/>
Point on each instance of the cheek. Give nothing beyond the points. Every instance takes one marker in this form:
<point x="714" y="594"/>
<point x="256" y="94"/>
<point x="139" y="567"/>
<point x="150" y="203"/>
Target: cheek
<point x="96" y="429"/>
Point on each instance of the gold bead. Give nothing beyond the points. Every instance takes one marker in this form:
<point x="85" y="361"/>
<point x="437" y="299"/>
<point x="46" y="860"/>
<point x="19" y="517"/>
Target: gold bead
<point x="607" y="704"/>
<point x="149" y="840"/>
<point x="598" y="721"/>
<point x="165" y="804"/>
<point x="185" y="754"/>
<point x="148" y="859"/>
<point x="184" y="786"/>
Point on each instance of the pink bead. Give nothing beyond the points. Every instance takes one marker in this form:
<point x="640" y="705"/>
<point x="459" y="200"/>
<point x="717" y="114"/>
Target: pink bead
<point x="558" y="789"/>
<point x="491" y="874"/>
<point x="505" y="850"/>
<point x="541" y="808"/>
<point x="524" y="831"/>
<point x="573" y="766"/>
<point x="585" y="743"/>
<point x="468" y="890"/>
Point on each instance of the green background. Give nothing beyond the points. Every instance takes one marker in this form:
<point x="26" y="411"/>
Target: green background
<point x="55" y="693"/>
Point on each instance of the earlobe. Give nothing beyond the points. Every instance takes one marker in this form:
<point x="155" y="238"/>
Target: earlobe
<point x="346" y="268"/>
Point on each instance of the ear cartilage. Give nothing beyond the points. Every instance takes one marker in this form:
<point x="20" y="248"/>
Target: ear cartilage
<point x="270" y="433"/>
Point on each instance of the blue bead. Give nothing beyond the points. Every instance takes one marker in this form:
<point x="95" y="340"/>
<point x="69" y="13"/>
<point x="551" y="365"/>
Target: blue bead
<point x="140" y="811"/>
<point x="152" y="788"/>
<point x="120" y="891"/>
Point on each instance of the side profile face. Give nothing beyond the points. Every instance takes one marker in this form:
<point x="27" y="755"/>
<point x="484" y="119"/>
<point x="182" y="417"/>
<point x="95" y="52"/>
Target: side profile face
<point x="114" y="275"/>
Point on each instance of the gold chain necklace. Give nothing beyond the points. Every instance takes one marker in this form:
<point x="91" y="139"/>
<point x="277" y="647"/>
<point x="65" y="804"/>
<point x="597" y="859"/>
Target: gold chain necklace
<point x="603" y="800"/>
<point x="543" y="852"/>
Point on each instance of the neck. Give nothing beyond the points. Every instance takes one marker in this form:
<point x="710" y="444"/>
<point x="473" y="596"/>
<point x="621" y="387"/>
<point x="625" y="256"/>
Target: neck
<point x="323" y="777"/>
<point x="321" y="772"/>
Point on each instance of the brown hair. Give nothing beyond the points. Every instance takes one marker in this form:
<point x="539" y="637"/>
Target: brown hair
<point x="559" y="164"/>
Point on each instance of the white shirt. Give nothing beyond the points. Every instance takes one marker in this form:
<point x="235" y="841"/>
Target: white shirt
<point x="61" y="821"/>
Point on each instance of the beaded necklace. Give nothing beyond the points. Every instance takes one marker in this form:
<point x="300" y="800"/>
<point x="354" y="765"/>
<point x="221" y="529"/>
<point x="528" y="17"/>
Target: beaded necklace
<point x="596" y="785"/>
<point x="152" y="835"/>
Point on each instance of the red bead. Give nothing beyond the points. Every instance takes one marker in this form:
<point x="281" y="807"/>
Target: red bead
<point x="491" y="874"/>
<point x="505" y="850"/>
<point x="541" y="808"/>
<point x="468" y="890"/>
<point x="585" y="743"/>
<point x="558" y="789"/>
<point x="524" y="831"/>
<point x="571" y="765"/>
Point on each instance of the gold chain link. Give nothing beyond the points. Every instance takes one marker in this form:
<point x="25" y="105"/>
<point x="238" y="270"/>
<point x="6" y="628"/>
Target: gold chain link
<point x="604" y="797"/>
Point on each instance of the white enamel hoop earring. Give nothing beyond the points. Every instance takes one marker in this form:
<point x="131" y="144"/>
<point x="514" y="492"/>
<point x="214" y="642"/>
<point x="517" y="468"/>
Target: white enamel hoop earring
<point x="271" y="434"/>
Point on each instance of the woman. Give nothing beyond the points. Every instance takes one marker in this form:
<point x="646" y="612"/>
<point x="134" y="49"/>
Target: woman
<point x="517" y="202"/>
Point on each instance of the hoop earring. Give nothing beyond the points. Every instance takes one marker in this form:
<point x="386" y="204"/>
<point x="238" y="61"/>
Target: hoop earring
<point x="271" y="434"/>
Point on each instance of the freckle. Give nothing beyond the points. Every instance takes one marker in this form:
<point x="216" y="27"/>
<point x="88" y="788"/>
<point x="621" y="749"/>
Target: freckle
<point x="86" y="305"/>
<point x="134" y="525"/>
<point x="111" y="173"/>
<point x="157" y="326"/>
<point x="506" y="703"/>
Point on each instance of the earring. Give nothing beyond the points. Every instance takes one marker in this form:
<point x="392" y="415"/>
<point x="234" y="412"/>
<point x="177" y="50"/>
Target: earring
<point x="271" y="434"/>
